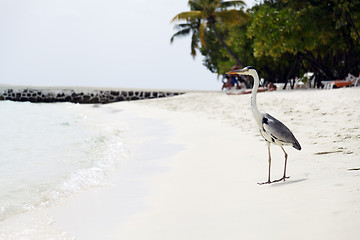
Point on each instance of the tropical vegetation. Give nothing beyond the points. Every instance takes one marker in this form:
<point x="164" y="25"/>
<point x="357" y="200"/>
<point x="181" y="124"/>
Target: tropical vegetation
<point x="282" y="38"/>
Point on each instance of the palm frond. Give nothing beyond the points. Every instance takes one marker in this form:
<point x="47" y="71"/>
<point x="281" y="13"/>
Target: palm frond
<point x="194" y="44"/>
<point x="196" y="5"/>
<point x="182" y="26"/>
<point x="181" y="33"/>
<point x="202" y="29"/>
<point x="228" y="4"/>
<point x="187" y="16"/>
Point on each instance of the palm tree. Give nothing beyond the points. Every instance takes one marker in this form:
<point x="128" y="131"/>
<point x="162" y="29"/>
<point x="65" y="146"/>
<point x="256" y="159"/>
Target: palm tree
<point x="185" y="29"/>
<point x="209" y="13"/>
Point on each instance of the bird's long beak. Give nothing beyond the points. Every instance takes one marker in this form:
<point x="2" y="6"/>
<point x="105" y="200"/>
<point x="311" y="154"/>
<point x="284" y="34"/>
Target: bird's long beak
<point x="238" y="71"/>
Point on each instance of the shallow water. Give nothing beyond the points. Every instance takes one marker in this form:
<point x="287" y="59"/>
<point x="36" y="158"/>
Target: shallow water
<point x="50" y="151"/>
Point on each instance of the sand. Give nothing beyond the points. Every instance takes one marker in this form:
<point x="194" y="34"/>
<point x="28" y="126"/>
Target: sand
<point x="196" y="160"/>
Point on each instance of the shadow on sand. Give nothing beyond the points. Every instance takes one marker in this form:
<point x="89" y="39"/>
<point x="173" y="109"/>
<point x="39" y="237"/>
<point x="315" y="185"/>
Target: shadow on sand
<point x="287" y="182"/>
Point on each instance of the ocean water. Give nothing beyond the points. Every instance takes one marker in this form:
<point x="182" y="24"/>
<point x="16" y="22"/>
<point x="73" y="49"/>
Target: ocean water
<point x="50" y="151"/>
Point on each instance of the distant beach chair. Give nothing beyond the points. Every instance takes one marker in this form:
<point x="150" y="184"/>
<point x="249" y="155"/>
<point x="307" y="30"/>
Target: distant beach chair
<point x="350" y="80"/>
<point x="356" y="81"/>
<point x="328" y="84"/>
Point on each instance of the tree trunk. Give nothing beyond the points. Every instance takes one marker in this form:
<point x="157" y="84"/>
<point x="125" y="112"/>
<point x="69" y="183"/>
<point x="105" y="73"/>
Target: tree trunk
<point x="221" y="40"/>
<point x="288" y="75"/>
<point x="312" y="60"/>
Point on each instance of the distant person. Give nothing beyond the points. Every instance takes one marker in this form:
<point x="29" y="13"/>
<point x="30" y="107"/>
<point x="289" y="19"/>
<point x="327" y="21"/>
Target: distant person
<point x="271" y="86"/>
<point x="234" y="81"/>
<point x="230" y="82"/>
<point x="227" y="83"/>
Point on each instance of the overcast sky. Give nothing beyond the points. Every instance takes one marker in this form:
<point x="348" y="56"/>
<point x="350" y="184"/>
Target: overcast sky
<point x="110" y="43"/>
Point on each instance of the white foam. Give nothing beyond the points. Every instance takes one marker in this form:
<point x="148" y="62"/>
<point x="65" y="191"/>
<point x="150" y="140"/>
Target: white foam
<point x="51" y="151"/>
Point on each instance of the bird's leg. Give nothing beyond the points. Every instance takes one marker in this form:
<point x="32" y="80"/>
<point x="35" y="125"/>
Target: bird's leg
<point x="286" y="155"/>
<point x="268" y="181"/>
<point x="268" y="145"/>
<point x="284" y="176"/>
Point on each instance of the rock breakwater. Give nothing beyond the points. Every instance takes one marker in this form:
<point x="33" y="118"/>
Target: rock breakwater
<point x="81" y="95"/>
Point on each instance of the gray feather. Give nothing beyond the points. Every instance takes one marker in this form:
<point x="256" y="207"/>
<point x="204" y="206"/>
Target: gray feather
<point x="279" y="131"/>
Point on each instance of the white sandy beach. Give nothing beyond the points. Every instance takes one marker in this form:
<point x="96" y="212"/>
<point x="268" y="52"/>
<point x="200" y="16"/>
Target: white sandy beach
<point x="195" y="161"/>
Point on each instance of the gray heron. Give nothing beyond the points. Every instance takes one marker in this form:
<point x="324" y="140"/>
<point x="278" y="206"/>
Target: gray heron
<point x="271" y="129"/>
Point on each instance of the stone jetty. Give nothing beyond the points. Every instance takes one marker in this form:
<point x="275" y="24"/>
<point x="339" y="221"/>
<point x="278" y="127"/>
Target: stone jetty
<point x="80" y="95"/>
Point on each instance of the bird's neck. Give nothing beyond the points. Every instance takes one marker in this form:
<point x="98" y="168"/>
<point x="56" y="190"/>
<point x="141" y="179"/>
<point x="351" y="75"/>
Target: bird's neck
<point x="254" y="109"/>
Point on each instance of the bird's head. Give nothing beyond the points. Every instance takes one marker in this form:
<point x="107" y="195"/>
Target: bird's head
<point x="245" y="71"/>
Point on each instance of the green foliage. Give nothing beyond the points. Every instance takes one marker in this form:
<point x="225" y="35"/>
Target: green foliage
<point x="281" y="38"/>
<point x="216" y="58"/>
<point x="275" y="32"/>
<point x="210" y="13"/>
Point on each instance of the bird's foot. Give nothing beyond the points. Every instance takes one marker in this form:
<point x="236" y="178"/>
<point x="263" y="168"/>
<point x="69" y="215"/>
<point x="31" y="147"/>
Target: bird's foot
<point x="268" y="182"/>
<point x="278" y="180"/>
<point x="281" y="179"/>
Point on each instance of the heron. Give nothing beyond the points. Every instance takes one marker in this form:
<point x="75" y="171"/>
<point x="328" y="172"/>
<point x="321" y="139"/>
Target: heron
<point x="271" y="129"/>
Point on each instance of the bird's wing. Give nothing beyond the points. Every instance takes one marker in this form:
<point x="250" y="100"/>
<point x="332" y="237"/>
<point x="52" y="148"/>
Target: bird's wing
<point x="279" y="131"/>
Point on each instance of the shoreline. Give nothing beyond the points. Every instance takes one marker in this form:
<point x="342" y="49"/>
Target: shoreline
<point x="95" y="214"/>
<point x="108" y="215"/>
<point x="197" y="179"/>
